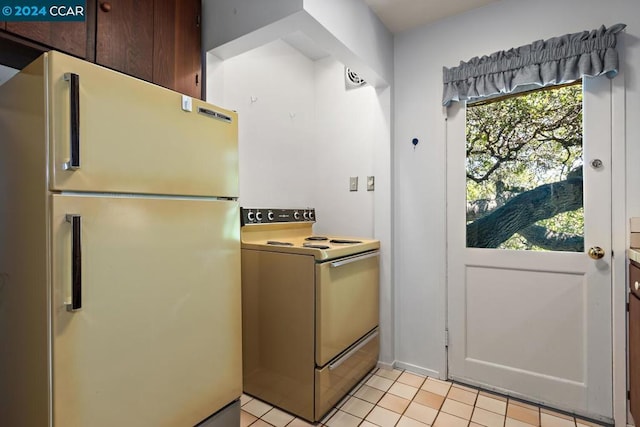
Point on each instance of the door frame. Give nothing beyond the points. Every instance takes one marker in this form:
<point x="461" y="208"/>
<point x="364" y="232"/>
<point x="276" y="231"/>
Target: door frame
<point x="619" y="245"/>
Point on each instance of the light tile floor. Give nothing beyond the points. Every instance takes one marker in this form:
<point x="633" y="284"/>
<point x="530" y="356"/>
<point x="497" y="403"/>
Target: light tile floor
<point x="387" y="398"/>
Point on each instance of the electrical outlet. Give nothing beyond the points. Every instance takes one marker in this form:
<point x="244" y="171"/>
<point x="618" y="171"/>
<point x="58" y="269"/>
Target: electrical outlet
<point x="371" y="184"/>
<point x="353" y="183"/>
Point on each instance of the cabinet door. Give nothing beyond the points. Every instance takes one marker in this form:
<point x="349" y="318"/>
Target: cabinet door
<point x="124" y="38"/>
<point x="634" y="355"/>
<point x="69" y="37"/>
<point x="176" y="55"/>
<point x="634" y="343"/>
<point x="157" y="339"/>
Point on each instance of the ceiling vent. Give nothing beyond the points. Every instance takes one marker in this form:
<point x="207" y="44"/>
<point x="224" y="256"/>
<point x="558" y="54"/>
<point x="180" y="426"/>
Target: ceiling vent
<point x="352" y="80"/>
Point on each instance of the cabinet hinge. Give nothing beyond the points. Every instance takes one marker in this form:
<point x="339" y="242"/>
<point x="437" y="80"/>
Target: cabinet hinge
<point x="628" y="394"/>
<point x="446" y="338"/>
<point x="198" y="21"/>
<point x="197" y="80"/>
<point x="627" y="307"/>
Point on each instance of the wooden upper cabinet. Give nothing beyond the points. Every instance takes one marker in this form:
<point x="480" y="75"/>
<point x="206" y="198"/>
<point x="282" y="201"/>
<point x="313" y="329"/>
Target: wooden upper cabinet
<point x="177" y="58"/>
<point x="124" y="38"/>
<point x="70" y="37"/>
<point x="75" y="38"/>
<point x="154" y="40"/>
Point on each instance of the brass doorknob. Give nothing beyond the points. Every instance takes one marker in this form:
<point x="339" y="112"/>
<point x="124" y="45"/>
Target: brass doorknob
<point x="596" y="252"/>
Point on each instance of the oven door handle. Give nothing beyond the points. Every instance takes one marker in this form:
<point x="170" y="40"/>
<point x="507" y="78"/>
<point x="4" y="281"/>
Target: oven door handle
<point x="366" y="340"/>
<point x="356" y="258"/>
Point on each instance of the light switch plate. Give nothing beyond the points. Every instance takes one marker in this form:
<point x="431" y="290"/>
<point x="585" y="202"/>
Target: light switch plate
<point x="353" y="183"/>
<point x="371" y="183"/>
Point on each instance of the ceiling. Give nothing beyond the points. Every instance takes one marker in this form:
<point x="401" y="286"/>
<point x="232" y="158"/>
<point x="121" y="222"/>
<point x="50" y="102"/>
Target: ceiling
<point x="401" y="15"/>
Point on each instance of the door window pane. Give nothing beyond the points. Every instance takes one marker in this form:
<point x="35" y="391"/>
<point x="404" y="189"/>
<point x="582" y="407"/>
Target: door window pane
<point x="524" y="171"/>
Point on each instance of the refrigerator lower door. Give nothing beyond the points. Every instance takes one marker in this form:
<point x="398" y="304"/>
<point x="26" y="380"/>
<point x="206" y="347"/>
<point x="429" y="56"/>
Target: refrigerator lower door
<point x="145" y="309"/>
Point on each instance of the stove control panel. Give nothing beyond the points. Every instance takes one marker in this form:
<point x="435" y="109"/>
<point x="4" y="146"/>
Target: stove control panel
<point x="250" y="216"/>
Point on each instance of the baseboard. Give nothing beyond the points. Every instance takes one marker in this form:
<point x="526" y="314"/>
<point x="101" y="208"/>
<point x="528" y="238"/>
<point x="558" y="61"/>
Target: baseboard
<point x="386" y="365"/>
<point x="417" y="369"/>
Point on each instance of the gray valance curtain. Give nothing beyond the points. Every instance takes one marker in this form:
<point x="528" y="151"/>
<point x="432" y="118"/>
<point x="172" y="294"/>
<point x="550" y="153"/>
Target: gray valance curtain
<point x="544" y="62"/>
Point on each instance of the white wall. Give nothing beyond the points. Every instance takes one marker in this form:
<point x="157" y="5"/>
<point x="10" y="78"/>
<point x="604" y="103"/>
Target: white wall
<point x="419" y="176"/>
<point x="302" y="134"/>
<point x="347" y="29"/>
<point x="359" y="29"/>
<point x="272" y="89"/>
<point x="6" y="73"/>
<point x="224" y="20"/>
<point x="344" y="148"/>
<point x="360" y="42"/>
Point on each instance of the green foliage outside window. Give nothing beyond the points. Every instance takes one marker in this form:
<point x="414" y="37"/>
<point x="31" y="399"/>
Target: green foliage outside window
<point x="524" y="171"/>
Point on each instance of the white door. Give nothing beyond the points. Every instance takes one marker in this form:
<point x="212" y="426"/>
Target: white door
<point x="533" y="324"/>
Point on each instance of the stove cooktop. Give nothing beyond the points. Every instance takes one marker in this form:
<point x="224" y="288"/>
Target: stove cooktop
<point x="281" y="230"/>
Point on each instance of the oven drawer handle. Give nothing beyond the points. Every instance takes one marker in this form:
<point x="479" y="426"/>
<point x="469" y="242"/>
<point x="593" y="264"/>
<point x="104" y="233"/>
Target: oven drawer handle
<point x="354" y="259"/>
<point x="354" y="350"/>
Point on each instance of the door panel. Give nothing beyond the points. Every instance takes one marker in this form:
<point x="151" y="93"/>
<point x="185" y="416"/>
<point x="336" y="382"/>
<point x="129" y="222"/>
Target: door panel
<point x="536" y="325"/>
<point x="634" y="342"/>
<point x="634" y="356"/>
<point x="125" y="123"/>
<point x="177" y="55"/>
<point x="157" y="340"/>
<point x="490" y="290"/>
<point x="124" y="39"/>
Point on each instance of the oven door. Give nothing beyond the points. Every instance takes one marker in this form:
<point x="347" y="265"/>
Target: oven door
<point x="347" y="303"/>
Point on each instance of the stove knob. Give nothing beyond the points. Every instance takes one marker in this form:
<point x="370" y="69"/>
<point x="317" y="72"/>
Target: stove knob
<point x="296" y="215"/>
<point x="258" y="216"/>
<point x="251" y="216"/>
<point x="305" y="215"/>
<point x="312" y="215"/>
<point x="270" y="215"/>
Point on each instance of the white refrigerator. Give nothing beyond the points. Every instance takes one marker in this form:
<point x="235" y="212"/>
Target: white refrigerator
<point x="119" y="252"/>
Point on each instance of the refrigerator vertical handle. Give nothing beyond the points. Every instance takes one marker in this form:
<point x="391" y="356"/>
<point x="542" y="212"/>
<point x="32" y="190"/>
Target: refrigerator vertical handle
<point x="74" y="92"/>
<point x="76" y="262"/>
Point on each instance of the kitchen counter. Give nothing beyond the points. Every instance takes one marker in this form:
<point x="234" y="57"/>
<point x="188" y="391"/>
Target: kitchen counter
<point x="634" y="255"/>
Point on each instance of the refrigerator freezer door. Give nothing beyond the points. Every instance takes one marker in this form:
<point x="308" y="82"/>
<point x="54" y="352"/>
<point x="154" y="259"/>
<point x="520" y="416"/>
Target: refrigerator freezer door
<point x="157" y="339"/>
<point x="114" y="133"/>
